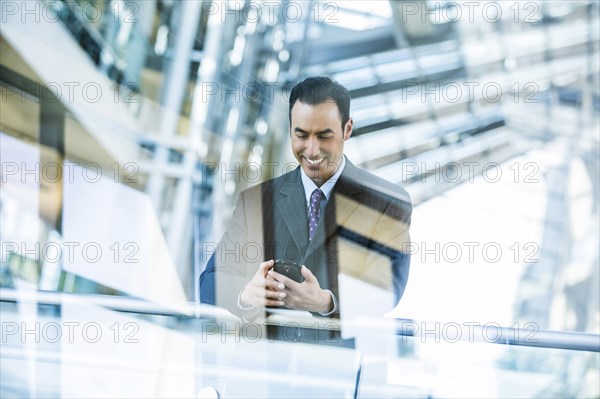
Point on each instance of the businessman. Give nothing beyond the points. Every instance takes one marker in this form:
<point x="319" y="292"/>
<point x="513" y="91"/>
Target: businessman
<point x="327" y="215"/>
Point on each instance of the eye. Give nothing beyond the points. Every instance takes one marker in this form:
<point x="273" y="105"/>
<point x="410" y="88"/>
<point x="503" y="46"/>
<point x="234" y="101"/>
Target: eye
<point x="326" y="136"/>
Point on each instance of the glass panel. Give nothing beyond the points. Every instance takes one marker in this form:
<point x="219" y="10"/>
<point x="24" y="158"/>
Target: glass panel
<point x="440" y="367"/>
<point x="135" y="137"/>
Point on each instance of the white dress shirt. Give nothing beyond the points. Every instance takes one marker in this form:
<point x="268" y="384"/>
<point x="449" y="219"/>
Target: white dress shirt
<point x="326" y="188"/>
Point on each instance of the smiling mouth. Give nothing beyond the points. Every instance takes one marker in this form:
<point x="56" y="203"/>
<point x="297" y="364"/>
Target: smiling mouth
<point x="314" y="162"/>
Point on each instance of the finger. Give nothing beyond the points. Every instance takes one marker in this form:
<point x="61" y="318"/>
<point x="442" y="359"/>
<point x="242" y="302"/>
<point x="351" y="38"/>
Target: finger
<point x="288" y="282"/>
<point x="273" y="284"/>
<point x="308" y="275"/>
<point x="272" y="302"/>
<point x="262" y="297"/>
<point x="275" y="295"/>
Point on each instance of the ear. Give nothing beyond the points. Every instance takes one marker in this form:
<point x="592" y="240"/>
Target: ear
<point x="348" y="129"/>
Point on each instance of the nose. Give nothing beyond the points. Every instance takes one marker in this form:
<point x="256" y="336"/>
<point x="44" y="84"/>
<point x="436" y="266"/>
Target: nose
<point x="312" y="148"/>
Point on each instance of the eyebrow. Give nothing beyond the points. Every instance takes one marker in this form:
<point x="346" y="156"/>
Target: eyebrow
<point x="297" y="129"/>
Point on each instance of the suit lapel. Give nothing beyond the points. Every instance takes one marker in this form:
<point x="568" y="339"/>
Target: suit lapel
<point x="292" y="209"/>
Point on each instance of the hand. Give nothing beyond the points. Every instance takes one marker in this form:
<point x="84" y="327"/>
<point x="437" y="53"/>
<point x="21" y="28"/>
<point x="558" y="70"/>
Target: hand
<point x="261" y="291"/>
<point x="307" y="295"/>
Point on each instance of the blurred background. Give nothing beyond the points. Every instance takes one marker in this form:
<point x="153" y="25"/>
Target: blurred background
<point x="128" y="128"/>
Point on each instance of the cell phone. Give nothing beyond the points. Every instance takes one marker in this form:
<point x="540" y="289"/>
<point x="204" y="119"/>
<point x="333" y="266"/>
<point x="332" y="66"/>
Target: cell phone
<point x="289" y="269"/>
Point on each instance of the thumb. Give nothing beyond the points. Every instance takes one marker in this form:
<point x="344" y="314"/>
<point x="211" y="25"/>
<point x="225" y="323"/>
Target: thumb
<point x="264" y="267"/>
<point x="307" y="274"/>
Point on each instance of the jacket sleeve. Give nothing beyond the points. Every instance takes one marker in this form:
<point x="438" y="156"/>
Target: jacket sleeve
<point x="229" y="269"/>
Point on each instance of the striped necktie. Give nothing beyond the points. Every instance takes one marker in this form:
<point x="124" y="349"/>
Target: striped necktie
<point x="315" y="212"/>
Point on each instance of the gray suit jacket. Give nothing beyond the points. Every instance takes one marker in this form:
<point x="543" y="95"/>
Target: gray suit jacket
<point x="363" y="232"/>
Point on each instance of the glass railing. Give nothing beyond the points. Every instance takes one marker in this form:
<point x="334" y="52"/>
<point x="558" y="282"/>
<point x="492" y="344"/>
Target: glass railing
<point x="130" y="348"/>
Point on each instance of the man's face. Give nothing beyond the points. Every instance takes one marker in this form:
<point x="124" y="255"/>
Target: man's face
<point x="318" y="139"/>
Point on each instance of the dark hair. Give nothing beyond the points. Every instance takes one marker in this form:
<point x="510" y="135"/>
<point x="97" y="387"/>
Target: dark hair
<point x="321" y="89"/>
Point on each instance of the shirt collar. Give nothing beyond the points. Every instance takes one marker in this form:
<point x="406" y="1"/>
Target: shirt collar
<point x="327" y="187"/>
